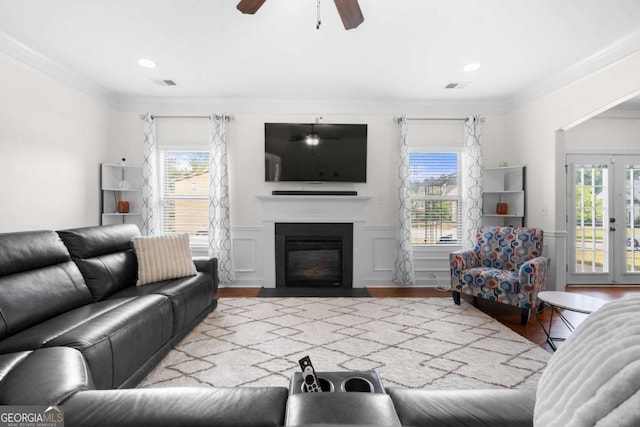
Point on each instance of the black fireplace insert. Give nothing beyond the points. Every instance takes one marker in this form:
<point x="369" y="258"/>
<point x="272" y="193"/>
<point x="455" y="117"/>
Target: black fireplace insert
<point x="314" y="255"/>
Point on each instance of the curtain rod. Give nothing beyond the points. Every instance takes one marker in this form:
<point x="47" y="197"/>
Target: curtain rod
<point x="397" y="119"/>
<point x="153" y="116"/>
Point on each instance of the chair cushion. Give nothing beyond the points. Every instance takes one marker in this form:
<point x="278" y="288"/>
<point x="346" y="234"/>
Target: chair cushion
<point x="500" y="280"/>
<point x="163" y="257"/>
<point x="594" y="377"/>
<point x="507" y="248"/>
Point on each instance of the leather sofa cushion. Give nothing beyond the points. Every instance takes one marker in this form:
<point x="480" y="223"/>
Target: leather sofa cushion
<point x="32" y="297"/>
<point x="190" y="297"/>
<point x="454" y="408"/>
<point x="10" y="361"/>
<point x="88" y="242"/>
<point x="371" y="409"/>
<point x="108" y="274"/>
<point x="184" y="406"/>
<point x="116" y="337"/>
<point x="37" y="280"/>
<point x="105" y="256"/>
<point x="43" y="377"/>
<point x="30" y="250"/>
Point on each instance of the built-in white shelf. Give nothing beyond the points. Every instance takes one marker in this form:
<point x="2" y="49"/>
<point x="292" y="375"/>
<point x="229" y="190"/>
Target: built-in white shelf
<point x="503" y="185"/>
<point x="120" y="183"/>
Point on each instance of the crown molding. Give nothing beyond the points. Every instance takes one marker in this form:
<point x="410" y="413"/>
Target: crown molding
<point x="185" y="105"/>
<point x="27" y="56"/>
<point x="596" y="62"/>
<point x="592" y="64"/>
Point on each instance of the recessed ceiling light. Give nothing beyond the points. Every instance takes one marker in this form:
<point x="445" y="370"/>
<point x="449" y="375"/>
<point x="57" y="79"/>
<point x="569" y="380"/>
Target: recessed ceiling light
<point x="471" y="67"/>
<point x="146" y="63"/>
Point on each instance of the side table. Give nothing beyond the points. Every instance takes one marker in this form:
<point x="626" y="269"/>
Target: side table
<point x="557" y="300"/>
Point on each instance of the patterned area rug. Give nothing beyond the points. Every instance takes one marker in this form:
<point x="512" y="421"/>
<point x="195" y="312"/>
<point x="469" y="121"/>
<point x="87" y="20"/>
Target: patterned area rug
<point x="410" y="342"/>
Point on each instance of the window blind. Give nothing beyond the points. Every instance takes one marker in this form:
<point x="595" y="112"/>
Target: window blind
<point x="184" y="177"/>
<point x="436" y="205"/>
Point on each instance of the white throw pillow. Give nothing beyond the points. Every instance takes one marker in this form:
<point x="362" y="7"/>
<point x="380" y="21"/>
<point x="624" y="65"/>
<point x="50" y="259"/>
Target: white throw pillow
<point x="163" y="257"/>
<point x="594" y="377"/>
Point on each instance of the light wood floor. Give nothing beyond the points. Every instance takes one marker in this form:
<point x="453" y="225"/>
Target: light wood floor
<point x="508" y="316"/>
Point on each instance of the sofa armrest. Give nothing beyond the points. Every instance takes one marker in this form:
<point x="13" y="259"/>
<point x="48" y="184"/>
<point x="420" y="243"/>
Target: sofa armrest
<point x="469" y="408"/>
<point x="207" y="265"/>
<point x="46" y="376"/>
<point x="178" y="406"/>
<point x="533" y="278"/>
<point x="459" y="261"/>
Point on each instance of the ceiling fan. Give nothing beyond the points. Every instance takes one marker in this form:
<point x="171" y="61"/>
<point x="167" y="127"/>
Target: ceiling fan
<point x="349" y="11"/>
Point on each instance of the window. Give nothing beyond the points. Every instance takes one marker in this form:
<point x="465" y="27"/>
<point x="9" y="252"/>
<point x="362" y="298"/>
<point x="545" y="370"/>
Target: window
<point x="184" y="186"/>
<point x="436" y="203"/>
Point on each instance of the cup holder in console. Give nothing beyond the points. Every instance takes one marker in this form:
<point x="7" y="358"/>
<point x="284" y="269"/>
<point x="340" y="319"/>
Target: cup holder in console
<point x="344" y="381"/>
<point x="325" y="385"/>
<point x="357" y="384"/>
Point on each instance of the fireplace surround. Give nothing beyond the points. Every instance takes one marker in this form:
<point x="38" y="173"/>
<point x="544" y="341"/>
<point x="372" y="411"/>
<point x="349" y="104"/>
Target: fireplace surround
<point x="314" y="255"/>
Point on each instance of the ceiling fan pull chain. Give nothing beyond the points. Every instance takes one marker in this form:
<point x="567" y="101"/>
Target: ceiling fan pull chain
<point x="318" y="21"/>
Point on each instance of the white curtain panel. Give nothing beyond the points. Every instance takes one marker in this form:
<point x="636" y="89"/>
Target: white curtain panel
<point x="150" y="209"/>
<point x="472" y="179"/>
<point x="403" y="271"/>
<point x="219" y="218"/>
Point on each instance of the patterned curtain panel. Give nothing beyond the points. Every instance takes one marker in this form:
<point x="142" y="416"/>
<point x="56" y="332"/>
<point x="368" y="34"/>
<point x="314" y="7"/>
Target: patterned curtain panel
<point x="150" y="208"/>
<point x="472" y="182"/>
<point x="403" y="271"/>
<point x="219" y="218"/>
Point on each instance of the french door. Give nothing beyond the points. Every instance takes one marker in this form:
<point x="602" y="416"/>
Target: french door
<point x="603" y="219"/>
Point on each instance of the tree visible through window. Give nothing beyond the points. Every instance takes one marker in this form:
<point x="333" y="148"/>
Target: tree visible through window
<point x="185" y="193"/>
<point x="436" y="204"/>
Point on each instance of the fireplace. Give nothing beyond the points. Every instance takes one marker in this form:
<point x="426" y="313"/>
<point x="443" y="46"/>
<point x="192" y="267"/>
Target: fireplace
<point x="314" y="254"/>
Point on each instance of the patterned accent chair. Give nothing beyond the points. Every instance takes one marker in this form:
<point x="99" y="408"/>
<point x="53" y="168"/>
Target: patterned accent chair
<point x="505" y="265"/>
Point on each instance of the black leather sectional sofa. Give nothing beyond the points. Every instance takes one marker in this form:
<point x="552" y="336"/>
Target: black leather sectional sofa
<point x="76" y="332"/>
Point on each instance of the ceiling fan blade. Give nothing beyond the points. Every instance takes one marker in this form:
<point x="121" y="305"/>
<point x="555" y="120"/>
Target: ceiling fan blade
<point x="350" y="13"/>
<point x="249" y="6"/>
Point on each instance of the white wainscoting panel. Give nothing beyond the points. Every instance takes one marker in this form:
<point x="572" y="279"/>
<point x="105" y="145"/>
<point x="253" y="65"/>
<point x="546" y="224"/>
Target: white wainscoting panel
<point x="374" y="256"/>
<point x="247" y="256"/>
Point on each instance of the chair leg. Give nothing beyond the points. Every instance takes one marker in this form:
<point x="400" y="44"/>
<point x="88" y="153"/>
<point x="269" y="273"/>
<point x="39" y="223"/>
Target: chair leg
<point x="525" y="315"/>
<point x="456" y="297"/>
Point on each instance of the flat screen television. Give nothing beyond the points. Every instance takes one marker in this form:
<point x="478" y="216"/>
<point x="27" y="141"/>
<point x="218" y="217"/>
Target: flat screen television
<point x="315" y="152"/>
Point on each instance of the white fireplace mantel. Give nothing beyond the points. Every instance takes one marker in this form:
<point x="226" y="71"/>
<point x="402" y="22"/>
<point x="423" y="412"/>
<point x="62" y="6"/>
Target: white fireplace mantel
<point x="314" y="208"/>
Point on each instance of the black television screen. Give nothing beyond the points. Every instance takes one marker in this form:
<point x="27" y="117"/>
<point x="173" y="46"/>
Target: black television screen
<point x="315" y="152"/>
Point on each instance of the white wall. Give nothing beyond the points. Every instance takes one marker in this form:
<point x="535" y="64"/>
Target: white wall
<point x="536" y="131"/>
<point x="52" y="140"/>
<point x="604" y="135"/>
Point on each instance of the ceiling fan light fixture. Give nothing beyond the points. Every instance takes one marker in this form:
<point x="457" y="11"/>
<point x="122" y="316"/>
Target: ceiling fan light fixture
<point x="146" y="63"/>
<point x="469" y="68"/>
<point x="312" y="139"/>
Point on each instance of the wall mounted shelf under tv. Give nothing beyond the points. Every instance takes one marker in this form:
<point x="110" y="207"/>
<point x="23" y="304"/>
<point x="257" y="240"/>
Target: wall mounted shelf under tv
<point x="315" y="152"/>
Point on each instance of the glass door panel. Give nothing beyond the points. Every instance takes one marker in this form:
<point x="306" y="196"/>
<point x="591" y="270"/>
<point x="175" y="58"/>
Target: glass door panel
<point x="632" y="216"/>
<point x="590" y="201"/>
<point x="603" y="219"/>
